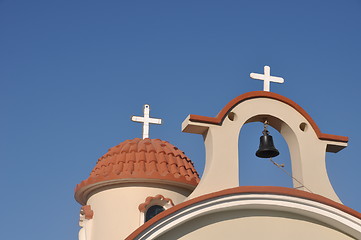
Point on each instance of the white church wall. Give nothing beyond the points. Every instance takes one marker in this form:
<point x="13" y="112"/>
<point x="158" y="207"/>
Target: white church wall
<point x="116" y="212"/>
<point x="254" y="224"/>
<point x="302" y="213"/>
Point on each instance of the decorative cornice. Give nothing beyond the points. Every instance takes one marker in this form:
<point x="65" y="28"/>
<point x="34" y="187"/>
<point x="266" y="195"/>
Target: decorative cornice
<point x="262" y="94"/>
<point x="143" y="207"/>
<point x="87" y="212"/>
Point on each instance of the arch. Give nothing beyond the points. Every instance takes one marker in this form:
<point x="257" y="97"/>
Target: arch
<point x="262" y="94"/>
<point x="290" y="136"/>
<point x="152" y="211"/>
<point x="255" y="171"/>
<point x="311" y="205"/>
<point x="307" y="145"/>
<point x="153" y="206"/>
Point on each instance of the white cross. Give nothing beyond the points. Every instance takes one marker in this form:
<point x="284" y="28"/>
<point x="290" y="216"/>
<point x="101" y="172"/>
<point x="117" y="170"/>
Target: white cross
<point x="146" y="120"/>
<point x="267" y="78"/>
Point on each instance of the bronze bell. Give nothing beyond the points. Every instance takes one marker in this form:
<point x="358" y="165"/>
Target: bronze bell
<point x="266" y="147"/>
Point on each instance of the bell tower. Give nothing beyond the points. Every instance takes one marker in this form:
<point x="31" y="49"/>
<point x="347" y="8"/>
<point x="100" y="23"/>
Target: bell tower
<point x="219" y="208"/>
<point x="307" y="144"/>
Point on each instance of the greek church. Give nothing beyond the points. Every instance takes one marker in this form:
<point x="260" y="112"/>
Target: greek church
<point x="147" y="188"/>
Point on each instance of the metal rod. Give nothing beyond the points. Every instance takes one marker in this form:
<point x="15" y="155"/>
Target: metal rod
<point x="280" y="167"/>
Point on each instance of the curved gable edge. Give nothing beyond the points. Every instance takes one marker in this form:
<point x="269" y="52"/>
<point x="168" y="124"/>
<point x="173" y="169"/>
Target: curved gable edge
<point x="335" y="210"/>
<point x="262" y="94"/>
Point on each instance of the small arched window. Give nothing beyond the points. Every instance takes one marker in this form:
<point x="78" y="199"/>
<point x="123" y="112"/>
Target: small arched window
<point x="152" y="211"/>
<point x="153" y="206"/>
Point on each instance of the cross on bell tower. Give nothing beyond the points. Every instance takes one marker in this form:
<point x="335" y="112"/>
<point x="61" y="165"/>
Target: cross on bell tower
<point x="146" y="120"/>
<point x="267" y="78"/>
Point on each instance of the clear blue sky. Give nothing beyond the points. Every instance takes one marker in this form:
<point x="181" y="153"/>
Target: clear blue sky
<point x="73" y="72"/>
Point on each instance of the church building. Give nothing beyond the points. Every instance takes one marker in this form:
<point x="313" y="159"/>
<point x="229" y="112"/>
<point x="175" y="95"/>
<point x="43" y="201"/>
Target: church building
<point x="149" y="189"/>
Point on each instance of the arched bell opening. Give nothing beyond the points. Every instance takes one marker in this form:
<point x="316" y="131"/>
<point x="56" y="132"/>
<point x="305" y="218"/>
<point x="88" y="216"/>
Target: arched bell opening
<point x="306" y="143"/>
<point x="255" y="171"/>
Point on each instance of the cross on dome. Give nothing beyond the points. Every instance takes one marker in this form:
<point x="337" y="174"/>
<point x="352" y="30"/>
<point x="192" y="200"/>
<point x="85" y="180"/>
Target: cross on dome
<point x="146" y="120"/>
<point x="267" y="78"/>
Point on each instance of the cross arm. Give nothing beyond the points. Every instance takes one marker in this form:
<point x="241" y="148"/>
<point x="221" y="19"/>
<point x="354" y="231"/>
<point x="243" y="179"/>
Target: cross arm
<point x="155" y="120"/>
<point x="277" y="79"/>
<point x="137" y="119"/>
<point x="257" y="76"/>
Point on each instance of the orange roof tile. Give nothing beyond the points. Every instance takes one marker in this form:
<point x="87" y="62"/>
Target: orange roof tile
<point x="145" y="159"/>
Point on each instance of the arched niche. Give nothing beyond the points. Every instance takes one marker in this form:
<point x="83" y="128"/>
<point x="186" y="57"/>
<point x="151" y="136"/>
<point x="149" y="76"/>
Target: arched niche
<point x="255" y="171"/>
<point x="306" y="143"/>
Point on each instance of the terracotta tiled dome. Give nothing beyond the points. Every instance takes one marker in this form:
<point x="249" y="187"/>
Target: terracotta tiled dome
<point x="143" y="159"/>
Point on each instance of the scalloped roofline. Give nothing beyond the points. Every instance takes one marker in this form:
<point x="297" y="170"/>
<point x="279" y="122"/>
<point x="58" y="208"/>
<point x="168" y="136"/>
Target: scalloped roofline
<point x="218" y="120"/>
<point x="139" y="160"/>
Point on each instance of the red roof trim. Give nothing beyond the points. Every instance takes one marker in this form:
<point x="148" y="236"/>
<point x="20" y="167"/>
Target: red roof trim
<point x="262" y="94"/>
<point x="87" y="212"/>
<point x="141" y="159"/>
<point x="246" y="190"/>
<point x="143" y="206"/>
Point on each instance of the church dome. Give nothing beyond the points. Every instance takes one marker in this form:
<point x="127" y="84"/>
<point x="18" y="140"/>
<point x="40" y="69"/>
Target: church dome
<point x="140" y="160"/>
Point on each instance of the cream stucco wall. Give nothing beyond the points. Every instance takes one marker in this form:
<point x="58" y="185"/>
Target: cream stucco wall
<point x="254" y="215"/>
<point x="254" y="224"/>
<point x="116" y="212"/>
<point x="307" y="151"/>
